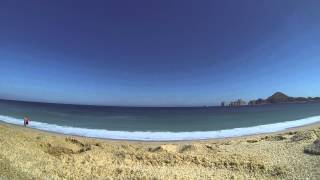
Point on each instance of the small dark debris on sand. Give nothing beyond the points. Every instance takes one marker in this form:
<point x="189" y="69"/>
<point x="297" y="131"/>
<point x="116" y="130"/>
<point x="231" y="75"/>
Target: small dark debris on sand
<point x="313" y="148"/>
<point x="252" y="140"/>
<point x="274" y="138"/>
<point x="74" y="141"/>
<point x="58" y="150"/>
<point x="303" y="136"/>
<point x="187" y="147"/>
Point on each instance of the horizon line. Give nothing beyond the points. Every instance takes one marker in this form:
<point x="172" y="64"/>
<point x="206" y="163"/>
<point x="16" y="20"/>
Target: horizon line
<point x="218" y="104"/>
<point x="100" y="105"/>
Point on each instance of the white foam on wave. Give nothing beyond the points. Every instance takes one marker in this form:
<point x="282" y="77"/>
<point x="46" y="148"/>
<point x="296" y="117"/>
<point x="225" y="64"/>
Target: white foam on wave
<point x="163" y="136"/>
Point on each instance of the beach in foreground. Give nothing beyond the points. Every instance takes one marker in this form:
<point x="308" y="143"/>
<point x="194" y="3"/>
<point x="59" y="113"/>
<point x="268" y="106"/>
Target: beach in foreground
<point x="32" y="154"/>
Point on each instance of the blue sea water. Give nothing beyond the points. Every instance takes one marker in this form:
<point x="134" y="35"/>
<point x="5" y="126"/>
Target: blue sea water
<point x="159" y="123"/>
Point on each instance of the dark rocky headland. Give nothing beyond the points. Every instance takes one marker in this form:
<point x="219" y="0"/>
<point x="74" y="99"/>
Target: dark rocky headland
<point x="276" y="98"/>
<point x="280" y="97"/>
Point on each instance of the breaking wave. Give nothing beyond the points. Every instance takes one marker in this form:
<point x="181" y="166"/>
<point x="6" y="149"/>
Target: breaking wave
<point x="163" y="136"/>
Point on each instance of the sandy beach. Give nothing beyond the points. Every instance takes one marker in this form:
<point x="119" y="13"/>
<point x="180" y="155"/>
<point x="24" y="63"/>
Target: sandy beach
<point x="32" y="154"/>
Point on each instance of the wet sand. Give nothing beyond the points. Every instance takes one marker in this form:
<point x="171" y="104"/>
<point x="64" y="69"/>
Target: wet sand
<point x="33" y="154"/>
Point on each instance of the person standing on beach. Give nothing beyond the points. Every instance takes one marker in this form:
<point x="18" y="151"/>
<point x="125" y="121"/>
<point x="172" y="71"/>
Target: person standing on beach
<point x="26" y="121"/>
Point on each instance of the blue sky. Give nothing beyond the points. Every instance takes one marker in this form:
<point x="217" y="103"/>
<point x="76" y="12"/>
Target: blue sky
<point x="158" y="53"/>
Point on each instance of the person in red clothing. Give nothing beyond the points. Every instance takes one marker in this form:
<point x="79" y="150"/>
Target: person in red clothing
<point x="26" y="121"/>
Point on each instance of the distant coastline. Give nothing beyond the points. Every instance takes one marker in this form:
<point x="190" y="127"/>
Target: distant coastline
<point x="276" y="98"/>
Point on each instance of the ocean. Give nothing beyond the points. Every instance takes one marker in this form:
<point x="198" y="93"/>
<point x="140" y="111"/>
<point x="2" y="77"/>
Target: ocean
<point x="159" y="123"/>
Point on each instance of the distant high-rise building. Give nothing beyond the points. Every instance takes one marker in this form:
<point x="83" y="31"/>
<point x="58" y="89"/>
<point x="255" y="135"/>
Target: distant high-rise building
<point x="222" y="103"/>
<point x="239" y="102"/>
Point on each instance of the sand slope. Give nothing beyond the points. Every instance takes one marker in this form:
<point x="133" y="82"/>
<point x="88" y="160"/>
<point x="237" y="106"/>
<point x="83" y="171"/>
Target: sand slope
<point x="31" y="154"/>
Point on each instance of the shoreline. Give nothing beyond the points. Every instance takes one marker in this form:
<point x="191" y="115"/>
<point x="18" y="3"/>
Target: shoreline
<point x="218" y="131"/>
<point x="298" y="128"/>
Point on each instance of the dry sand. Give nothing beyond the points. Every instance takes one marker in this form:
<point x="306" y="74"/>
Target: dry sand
<point x="32" y="154"/>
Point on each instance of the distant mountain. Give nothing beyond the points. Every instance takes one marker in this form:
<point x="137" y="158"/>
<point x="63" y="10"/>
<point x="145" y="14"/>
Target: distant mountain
<point x="276" y="98"/>
<point x="280" y="97"/>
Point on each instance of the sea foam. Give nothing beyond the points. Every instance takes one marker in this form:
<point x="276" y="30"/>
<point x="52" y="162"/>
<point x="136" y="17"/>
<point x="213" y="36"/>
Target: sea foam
<point x="163" y="136"/>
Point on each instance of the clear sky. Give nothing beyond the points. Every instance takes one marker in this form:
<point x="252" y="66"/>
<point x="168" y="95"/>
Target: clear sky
<point x="158" y="53"/>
